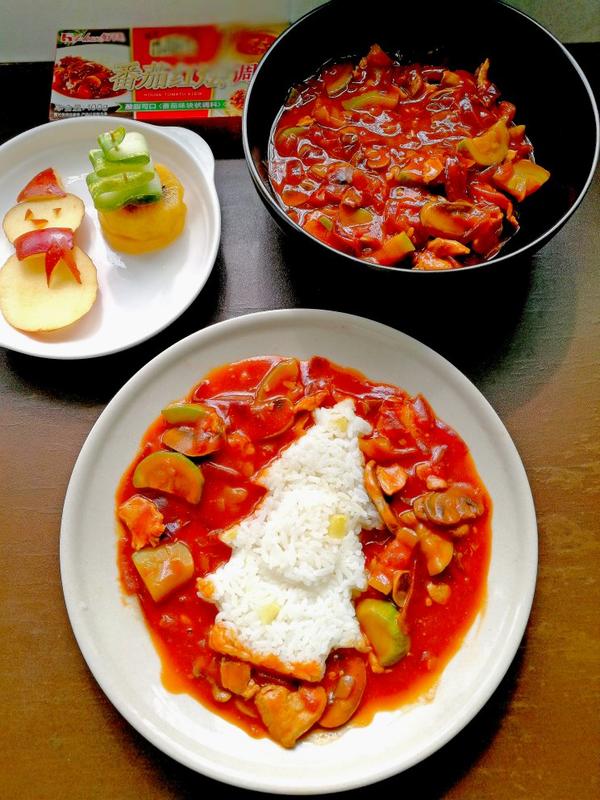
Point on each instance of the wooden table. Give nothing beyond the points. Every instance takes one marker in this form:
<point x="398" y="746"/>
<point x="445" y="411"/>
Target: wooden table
<point x="532" y="346"/>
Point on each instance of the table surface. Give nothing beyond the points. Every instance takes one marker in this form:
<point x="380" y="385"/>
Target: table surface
<point x="532" y="348"/>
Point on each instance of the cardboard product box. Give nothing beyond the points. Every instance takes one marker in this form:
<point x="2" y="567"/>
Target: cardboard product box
<point x="186" y="74"/>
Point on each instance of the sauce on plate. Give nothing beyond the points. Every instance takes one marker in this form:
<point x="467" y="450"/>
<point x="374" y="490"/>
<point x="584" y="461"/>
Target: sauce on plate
<point x="407" y="440"/>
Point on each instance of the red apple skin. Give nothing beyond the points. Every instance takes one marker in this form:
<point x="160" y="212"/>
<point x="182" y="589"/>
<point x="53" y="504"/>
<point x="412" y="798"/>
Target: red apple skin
<point x="46" y="184"/>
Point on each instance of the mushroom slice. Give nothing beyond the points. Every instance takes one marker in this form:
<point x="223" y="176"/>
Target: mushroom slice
<point x="283" y="374"/>
<point x="374" y="491"/>
<point x="347" y="694"/>
<point x="191" y="441"/>
<point x="406" y="535"/>
<point x="204" y="433"/>
<point x="402" y="585"/>
<point x="289" y="714"/>
<point x="272" y="417"/>
<point x="311" y="401"/>
<point x="456" y="504"/>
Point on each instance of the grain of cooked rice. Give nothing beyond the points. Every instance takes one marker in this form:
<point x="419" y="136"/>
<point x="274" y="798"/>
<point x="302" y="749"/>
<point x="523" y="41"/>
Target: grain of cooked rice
<point x="284" y="556"/>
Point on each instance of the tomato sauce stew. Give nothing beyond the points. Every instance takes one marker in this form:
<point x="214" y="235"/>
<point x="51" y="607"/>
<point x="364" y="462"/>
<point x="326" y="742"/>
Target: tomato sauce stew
<point x="403" y="165"/>
<point x="197" y="473"/>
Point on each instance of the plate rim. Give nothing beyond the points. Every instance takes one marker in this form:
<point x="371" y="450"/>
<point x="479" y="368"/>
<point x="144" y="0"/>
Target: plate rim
<point x="200" y="764"/>
<point x="28" y="345"/>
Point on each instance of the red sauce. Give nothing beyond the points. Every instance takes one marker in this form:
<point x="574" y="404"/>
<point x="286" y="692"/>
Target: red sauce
<point x="180" y="623"/>
<point x="253" y="43"/>
<point x="371" y="160"/>
<point x="77" y="77"/>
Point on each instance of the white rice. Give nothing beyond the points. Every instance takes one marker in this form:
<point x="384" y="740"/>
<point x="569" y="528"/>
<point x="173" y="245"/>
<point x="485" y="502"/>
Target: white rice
<point x="285" y="564"/>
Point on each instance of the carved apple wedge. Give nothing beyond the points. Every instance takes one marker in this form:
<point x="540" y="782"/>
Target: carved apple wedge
<point x="30" y="304"/>
<point x="32" y="215"/>
<point x="46" y="184"/>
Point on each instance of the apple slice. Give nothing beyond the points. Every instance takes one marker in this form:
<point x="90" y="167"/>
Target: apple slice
<point x="55" y="243"/>
<point x="46" y="184"/>
<point x="59" y="212"/>
<point x="29" y="304"/>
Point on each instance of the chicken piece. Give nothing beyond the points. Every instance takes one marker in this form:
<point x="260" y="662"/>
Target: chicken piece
<point x="380" y="448"/>
<point x="427" y="260"/>
<point x="435" y="483"/>
<point x="144" y="520"/>
<point x="288" y="714"/>
<point x="378" y="578"/>
<point x="438" y="551"/>
<point x="352" y="198"/>
<point x="237" y="677"/>
<point x="456" y="504"/>
<point x="432" y="167"/>
<point x="447" y="247"/>
<point x="392" y="478"/>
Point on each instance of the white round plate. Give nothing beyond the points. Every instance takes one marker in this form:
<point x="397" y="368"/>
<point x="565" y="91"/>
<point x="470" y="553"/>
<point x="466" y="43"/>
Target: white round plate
<point x="138" y="295"/>
<point x="112" y="634"/>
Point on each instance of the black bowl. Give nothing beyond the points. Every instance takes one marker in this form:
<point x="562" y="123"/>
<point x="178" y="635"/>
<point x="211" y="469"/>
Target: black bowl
<point x="531" y="68"/>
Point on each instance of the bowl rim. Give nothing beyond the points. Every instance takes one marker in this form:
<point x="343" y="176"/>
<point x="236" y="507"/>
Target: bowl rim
<point x="273" y="206"/>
